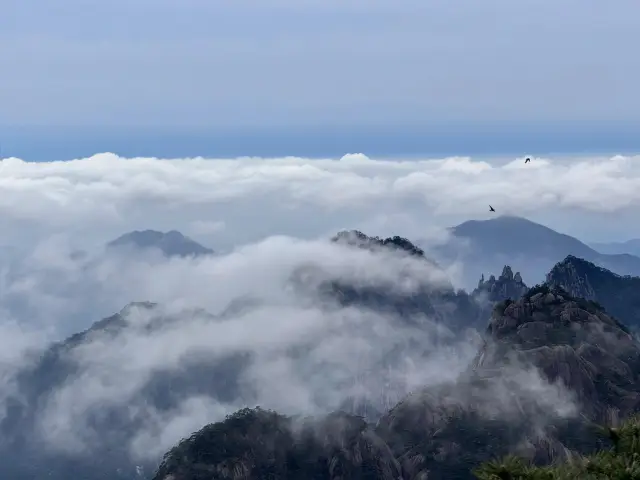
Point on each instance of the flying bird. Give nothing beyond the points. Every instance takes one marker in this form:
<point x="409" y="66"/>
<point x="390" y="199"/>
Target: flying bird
<point x="491" y="209"/>
<point x="527" y="160"/>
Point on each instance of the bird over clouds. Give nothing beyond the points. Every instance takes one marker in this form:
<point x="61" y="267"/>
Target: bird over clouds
<point x="115" y="190"/>
<point x="265" y="219"/>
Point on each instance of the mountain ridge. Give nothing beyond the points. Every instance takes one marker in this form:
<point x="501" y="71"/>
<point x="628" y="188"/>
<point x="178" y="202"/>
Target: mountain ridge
<point x="171" y="243"/>
<point x="530" y="247"/>
<point x="440" y="430"/>
<point x="631" y="247"/>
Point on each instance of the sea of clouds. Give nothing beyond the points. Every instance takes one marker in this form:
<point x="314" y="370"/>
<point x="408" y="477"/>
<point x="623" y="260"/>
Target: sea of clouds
<point x="266" y="219"/>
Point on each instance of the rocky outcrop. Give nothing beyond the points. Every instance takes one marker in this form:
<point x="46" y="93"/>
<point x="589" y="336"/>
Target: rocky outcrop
<point x="507" y="285"/>
<point x="551" y="367"/>
<point x="619" y="295"/>
<point x="572" y="275"/>
<point x="570" y="340"/>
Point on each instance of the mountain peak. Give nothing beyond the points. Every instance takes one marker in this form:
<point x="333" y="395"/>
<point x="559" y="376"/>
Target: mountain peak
<point x="581" y="278"/>
<point x="574" y="275"/>
<point x="529" y="246"/>
<point x="507" y="273"/>
<point x="171" y="243"/>
<point x="507" y="285"/>
<point x="358" y="239"/>
<point x="533" y="319"/>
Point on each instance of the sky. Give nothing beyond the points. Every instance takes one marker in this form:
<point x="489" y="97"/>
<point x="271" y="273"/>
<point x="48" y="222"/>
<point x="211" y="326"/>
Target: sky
<point x="429" y="72"/>
<point x="338" y="64"/>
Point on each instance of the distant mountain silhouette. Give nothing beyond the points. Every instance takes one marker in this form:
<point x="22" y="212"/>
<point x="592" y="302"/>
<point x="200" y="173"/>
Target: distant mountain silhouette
<point x="531" y="248"/>
<point x="171" y="244"/>
<point x="632" y="247"/>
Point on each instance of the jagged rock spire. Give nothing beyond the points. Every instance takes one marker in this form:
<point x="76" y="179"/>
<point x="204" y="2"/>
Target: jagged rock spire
<point x="507" y="273"/>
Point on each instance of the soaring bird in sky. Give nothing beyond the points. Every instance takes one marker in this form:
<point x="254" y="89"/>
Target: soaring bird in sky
<point x="491" y="209"/>
<point x="527" y="160"/>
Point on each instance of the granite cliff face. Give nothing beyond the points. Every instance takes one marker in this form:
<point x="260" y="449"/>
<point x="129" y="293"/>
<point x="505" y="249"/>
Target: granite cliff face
<point x="551" y="365"/>
<point x="619" y="295"/>
<point x="570" y="340"/>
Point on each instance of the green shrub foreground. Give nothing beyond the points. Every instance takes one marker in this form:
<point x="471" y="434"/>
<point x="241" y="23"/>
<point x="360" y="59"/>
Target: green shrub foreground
<point x="621" y="462"/>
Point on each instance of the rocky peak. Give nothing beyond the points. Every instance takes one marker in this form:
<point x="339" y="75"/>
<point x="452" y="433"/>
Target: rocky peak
<point x="543" y="308"/>
<point x="572" y="275"/>
<point x="358" y="239"/>
<point x="507" y="273"/>
<point x="571" y="340"/>
<point x="506" y="286"/>
<point x="617" y="294"/>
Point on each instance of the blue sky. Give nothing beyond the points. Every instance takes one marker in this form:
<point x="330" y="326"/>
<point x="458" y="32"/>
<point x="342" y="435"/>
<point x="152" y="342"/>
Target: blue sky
<point x="330" y="63"/>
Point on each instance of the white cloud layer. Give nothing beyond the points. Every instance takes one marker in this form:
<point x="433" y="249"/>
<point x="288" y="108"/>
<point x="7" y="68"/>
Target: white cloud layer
<point x="250" y="210"/>
<point x="48" y="290"/>
<point x="232" y="201"/>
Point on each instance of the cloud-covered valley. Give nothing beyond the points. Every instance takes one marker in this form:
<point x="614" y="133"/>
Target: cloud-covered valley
<point x="257" y="306"/>
<point x="252" y="320"/>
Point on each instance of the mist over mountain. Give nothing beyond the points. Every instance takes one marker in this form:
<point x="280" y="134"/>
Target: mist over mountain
<point x="170" y="244"/>
<point x="544" y="377"/>
<point x="322" y="240"/>
<point x="343" y="327"/>
<point x="382" y="338"/>
<point x="358" y="346"/>
<point x="631" y="247"/>
<point x="484" y="246"/>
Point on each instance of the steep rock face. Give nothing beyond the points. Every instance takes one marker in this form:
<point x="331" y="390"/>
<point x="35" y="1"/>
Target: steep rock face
<point x="569" y="340"/>
<point x="619" y="295"/>
<point x="507" y="285"/>
<point x="258" y="444"/>
<point x="551" y="365"/>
